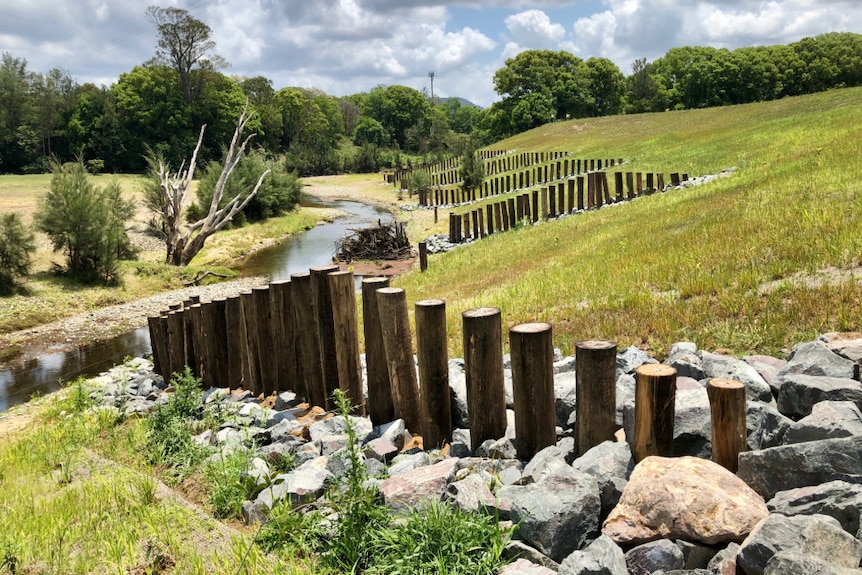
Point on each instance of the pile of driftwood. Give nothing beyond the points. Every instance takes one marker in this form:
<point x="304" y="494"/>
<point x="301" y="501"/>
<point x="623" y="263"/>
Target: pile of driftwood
<point x="382" y="242"/>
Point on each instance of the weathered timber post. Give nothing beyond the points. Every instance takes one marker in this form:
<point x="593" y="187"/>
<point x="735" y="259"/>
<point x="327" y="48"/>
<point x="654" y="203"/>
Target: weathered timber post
<point x="483" y="366"/>
<point x="423" y="256"/>
<point x="157" y="340"/>
<point x="532" y="350"/>
<point x="191" y="357"/>
<point x="177" y="342"/>
<point x="252" y="378"/>
<point x="308" y="339"/>
<point x="639" y="183"/>
<point x="504" y="213"/>
<point x="326" y="327"/>
<point x="194" y="313"/>
<point x="381" y="408"/>
<point x="561" y="198"/>
<point x="343" y="293"/>
<point x="655" y="394"/>
<point x="453" y="239"/>
<point x="513" y="220"/>
<point x="466" y="219"/>
<point x="580" y="192"/>
<point x="266" y="356"/>
<point x="630" y="184"/>
<point x="674" y="178"/>
<point x="535" y="206"/>
<point x="727" y="414"/>
<point x="433" y="358"/>
<point x="618" y="185"/>
<point x="284" y="336"/>
<point x="392" y="305"/>
<point x="235" y="341"/>
<point x="490" y="211"/>
<point x="481" y="213"/>
<point x="571" y="185"/>
<point x="552" y="201"/>
<point x="596" y="392"/>
<point x="216" y="341"/>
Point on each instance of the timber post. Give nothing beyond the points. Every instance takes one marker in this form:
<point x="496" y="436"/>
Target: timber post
<point x="727" y="413"/>
<point x="532" y="350"/>
<point x="655" y="396"/>
<point x="596" y="392"/>
<point x="483" y="367"/>
<point x="433" y="359"/>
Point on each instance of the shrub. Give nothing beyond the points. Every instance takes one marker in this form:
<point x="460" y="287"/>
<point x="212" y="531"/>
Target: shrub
<point x="86" y="222"/>
<point x="278" y="193"/>
<point x="16" y="246"/>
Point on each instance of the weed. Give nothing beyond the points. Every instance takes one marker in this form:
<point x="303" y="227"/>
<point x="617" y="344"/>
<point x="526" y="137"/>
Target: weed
<point x="9" y="557"/>
<point x="228" y="490"/>
<point x="170" y="442"/>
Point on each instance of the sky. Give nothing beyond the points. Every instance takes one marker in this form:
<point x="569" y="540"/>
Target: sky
<point x="348" y="46"/>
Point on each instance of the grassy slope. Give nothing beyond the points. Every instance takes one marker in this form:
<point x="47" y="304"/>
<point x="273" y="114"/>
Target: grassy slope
<point x="684" y="265"/>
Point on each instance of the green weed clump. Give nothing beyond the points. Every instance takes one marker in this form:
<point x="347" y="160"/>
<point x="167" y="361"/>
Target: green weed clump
<point x="169" y="427"/>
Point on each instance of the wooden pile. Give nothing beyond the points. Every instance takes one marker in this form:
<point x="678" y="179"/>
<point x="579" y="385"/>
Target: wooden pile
<point x="383" y="242"/>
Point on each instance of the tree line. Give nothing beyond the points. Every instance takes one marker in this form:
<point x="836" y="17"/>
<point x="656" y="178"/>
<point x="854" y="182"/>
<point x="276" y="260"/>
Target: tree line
<point x="160" y="105"/>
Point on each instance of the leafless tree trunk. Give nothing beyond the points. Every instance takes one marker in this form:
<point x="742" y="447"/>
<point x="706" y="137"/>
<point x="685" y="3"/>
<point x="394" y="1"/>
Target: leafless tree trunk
<point x="184" y="242"/>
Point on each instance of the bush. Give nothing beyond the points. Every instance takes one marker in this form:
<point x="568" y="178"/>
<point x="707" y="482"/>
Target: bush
<point x="86" y="222"/>
<point x="169" y="436"/>
<point x="17" y="244"/>
<point x="278" y="193"/>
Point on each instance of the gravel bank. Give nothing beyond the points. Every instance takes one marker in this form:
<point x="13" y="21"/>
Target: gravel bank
<point x="110" y="321"/>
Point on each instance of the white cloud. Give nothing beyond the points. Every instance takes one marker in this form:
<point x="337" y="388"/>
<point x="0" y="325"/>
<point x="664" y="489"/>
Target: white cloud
<point x="534" y="29"/>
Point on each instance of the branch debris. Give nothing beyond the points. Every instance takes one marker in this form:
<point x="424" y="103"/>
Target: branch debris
<point x="383" y="242"/>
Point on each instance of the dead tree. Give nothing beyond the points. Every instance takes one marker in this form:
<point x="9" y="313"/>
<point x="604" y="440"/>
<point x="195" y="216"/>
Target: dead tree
<point x="184" y="242"/>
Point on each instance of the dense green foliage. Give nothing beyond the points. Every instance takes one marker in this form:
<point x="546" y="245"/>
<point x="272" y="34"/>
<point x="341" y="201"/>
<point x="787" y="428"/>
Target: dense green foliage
<point x="87" y="223"/>
<point x="17" y="243"/>
<point x="278" y="193"/>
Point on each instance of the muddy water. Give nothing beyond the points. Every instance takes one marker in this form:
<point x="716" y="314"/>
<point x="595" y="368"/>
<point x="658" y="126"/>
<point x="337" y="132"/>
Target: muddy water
<point x="44" y="374"/>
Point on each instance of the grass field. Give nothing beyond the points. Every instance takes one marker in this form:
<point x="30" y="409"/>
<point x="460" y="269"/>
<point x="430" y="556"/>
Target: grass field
<point x="689" y="264"/>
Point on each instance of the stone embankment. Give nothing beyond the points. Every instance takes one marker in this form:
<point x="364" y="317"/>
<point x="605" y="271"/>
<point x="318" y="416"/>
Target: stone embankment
<point x="793" y="507"/>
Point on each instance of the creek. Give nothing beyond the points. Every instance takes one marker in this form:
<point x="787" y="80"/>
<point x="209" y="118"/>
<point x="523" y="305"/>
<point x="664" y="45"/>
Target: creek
<point x="44" y="373"/>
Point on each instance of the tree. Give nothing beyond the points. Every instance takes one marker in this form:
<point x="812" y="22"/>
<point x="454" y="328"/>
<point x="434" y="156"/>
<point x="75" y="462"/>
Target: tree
<point x="279" y="192"/>
<point x="607" y="85"/>
<point x="397" y="108"/>
<point x="86" y="222"/>
<point x="472" y="169"/>
<point x="370" y="131"/>
<point x="18" y="142"/>
<point x="183" y="242"/>
<point x="17" y="244"/>
<point x="184" y="44"/>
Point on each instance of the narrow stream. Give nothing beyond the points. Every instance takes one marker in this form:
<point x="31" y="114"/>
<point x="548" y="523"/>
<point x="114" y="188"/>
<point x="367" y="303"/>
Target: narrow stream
<point x="43" y="374"/>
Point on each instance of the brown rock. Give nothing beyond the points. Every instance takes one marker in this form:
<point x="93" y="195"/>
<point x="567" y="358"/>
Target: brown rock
<point x="414" y="488"/>
<point x="684" y="498"/>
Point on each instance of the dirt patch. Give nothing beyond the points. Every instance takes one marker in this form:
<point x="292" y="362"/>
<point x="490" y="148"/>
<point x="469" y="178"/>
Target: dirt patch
<point x="379" y="268"/>
<point x="830" y="276"/>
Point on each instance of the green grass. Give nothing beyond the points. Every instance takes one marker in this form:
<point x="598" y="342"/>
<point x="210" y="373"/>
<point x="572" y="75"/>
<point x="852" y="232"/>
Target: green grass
<point x="685" y="265"/>
<point x="75" y="497"/>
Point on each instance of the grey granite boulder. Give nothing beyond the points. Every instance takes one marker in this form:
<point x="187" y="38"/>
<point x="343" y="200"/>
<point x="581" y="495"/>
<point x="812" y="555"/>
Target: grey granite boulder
<point x="794" y="563"/>
<point x="524" y="567"/>
<point x="724" y="562"/>
<point x="813" y="535"/>
<point x="631" y="358"/>
<point x="724" y="366"/>
<point x="768" y="368"/>
<point x="837" y="499"/>
<point x="650" y="557"/>
<point x="765" y="426"/>
<point x="601" y="557"/>
<point x="417" y="487"/>
<point x="565" y="390"/>
<point x="471" y="494"/>
<point x="611" y="463"/>
<point x="515" y="549"/>
<point x="557" y="515"/>
<point x="684" y="358"/>
<point x="769" y="471"/>
<point x="815" y="358"/>
<point x="828" y="419"/>
<point x="799" y="392"/>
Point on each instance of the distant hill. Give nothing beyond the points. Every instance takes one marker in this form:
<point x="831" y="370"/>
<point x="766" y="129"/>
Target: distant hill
<point x="463" y="101"/>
